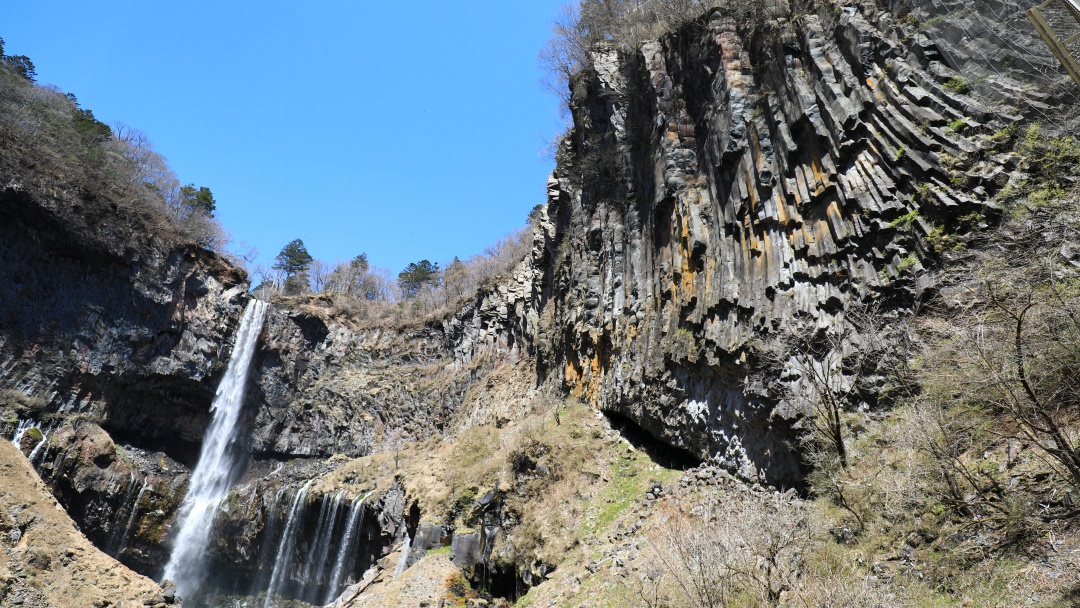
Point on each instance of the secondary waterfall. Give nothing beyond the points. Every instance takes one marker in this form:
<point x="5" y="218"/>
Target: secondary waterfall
<point x="314" y="564"/>
<point x="347" y="550"/>
<point x="215" y="471"/>
<point x="288" y="543"/>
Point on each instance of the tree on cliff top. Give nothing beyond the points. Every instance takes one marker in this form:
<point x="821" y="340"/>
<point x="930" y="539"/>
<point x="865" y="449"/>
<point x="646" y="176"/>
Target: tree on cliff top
<point x="294" y="261"/>
<point x="199" y="200"/>
<point x="416" y="275"/>
<point x="21" y="63"/>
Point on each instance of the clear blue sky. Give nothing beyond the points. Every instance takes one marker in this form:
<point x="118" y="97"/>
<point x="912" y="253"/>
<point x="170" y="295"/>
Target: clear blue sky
<point x="405" y="130"/>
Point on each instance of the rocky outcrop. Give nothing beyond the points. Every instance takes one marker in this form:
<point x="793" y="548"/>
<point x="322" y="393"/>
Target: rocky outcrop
<point x="727" y="183"/>
<point x="45" y="561"/>
<point x="102" y="319"/>
<point x="113" y="340"/>
<point x="324" y="386"/>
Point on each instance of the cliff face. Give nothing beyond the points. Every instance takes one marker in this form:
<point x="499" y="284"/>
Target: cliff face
<point x="325" y="387"/>
<point x="101" y="319"/>
<point x="45" y="561"/>
<point x="113" y="342"/>
<point x="726" y="184"/>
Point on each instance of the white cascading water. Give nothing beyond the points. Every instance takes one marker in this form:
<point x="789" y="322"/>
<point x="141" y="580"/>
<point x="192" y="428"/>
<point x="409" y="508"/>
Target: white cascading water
<point x="403" y="561"/>
<point x="314" y="574"/>
<point x="20" y="430"/>
<point x="214" y="473"/>
<point x="131" y="517"/>
<point x="283" y="562"/>
<point x="347" y="549"/>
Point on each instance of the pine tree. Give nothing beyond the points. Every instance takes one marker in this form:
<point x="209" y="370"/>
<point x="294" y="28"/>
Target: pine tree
<point x="416" y="275"/>
<point x="294" y="261"/>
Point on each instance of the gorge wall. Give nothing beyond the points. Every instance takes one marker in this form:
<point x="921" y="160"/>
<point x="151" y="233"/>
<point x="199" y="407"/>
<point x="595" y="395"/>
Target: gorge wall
<point x="749" y="176"/>
<point x="726" y="184"/>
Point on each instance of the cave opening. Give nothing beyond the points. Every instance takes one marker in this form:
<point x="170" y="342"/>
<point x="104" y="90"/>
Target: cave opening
<point x="664" y="454"/>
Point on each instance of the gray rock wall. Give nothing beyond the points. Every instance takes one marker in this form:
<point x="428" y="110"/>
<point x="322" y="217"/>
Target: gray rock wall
<point x="101" y="319"/>
<point x="728" y="182"/>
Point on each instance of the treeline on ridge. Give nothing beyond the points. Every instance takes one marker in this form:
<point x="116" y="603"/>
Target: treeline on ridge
<point x="51" y="143"/>
<point x="369" y="292"/>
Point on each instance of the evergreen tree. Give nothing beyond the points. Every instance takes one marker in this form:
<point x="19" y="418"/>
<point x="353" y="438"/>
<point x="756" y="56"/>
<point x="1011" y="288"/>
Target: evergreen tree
<point x="23" y="65"/>
<point x="360" y="263"/>
<point x="416" y="275"/>
<point x="294" y="261"/>
<point x="91" y="130"/>
<point x="201" y="199"/>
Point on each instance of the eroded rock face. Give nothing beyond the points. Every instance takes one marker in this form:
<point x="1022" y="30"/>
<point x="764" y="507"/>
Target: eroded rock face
<point x="103" y="320"/>
<point x="123" y="498"/>
<point x="719" y="187"/>
<point x="322" y="387"/>
<point x="112" y="342"/>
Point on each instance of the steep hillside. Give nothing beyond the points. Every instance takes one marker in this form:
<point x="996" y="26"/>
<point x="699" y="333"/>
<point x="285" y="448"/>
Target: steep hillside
<point x="46" y="562"/>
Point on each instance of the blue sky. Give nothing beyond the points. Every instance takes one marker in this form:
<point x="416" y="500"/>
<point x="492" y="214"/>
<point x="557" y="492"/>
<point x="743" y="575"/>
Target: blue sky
<point x="404" y="130"/>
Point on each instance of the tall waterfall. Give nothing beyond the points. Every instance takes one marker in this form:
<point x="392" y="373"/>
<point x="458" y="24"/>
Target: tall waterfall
<point x="215" y="471"/>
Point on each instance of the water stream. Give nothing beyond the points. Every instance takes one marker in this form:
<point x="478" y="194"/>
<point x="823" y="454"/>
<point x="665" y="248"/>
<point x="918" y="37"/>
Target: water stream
<point x="314" y="564"/>
<point x="283" y="561"/>
<point x="215" y="471"/>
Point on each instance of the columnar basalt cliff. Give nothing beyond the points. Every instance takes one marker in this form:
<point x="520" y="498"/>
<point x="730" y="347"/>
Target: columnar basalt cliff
<point x="727" y="183"/>
<point x="102" y="318"/>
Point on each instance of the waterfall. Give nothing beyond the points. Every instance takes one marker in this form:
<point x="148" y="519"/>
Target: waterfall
<point x="42" y="447"/>
<point x="113" y="547"/>
<point x="311" y="563"/>
<point x="215" y="471"/>
<point x="131" y="517"/>
<point x="283" y="561"/>
<point x="20" y="430"/>
<point x="314" y="574"/>
<point x="403" y="561"/>
<point x="347" y="550"/>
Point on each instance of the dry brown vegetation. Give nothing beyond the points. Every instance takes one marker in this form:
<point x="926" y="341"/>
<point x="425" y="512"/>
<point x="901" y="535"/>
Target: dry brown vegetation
<point x="45" y="560"/>
<point x="59" y="150"/>
<point x="368" y="295"/>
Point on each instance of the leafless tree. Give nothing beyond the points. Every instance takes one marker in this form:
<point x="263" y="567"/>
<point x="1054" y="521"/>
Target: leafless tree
<point x="318" y="274"/>
<point x="830" y="370"/>
<point x="1018" y="353"/>
<point x="739" y="543"/>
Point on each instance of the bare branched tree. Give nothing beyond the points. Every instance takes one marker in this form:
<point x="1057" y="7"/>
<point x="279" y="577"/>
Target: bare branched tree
<point x="1020" y="355"/>
<point x="735" y="544"/>
<point x="833" y="371"/>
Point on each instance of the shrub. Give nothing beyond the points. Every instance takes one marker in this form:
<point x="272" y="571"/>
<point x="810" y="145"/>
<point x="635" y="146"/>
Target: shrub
<point x="956" y="85"/>
<point x="740" y="545"/>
